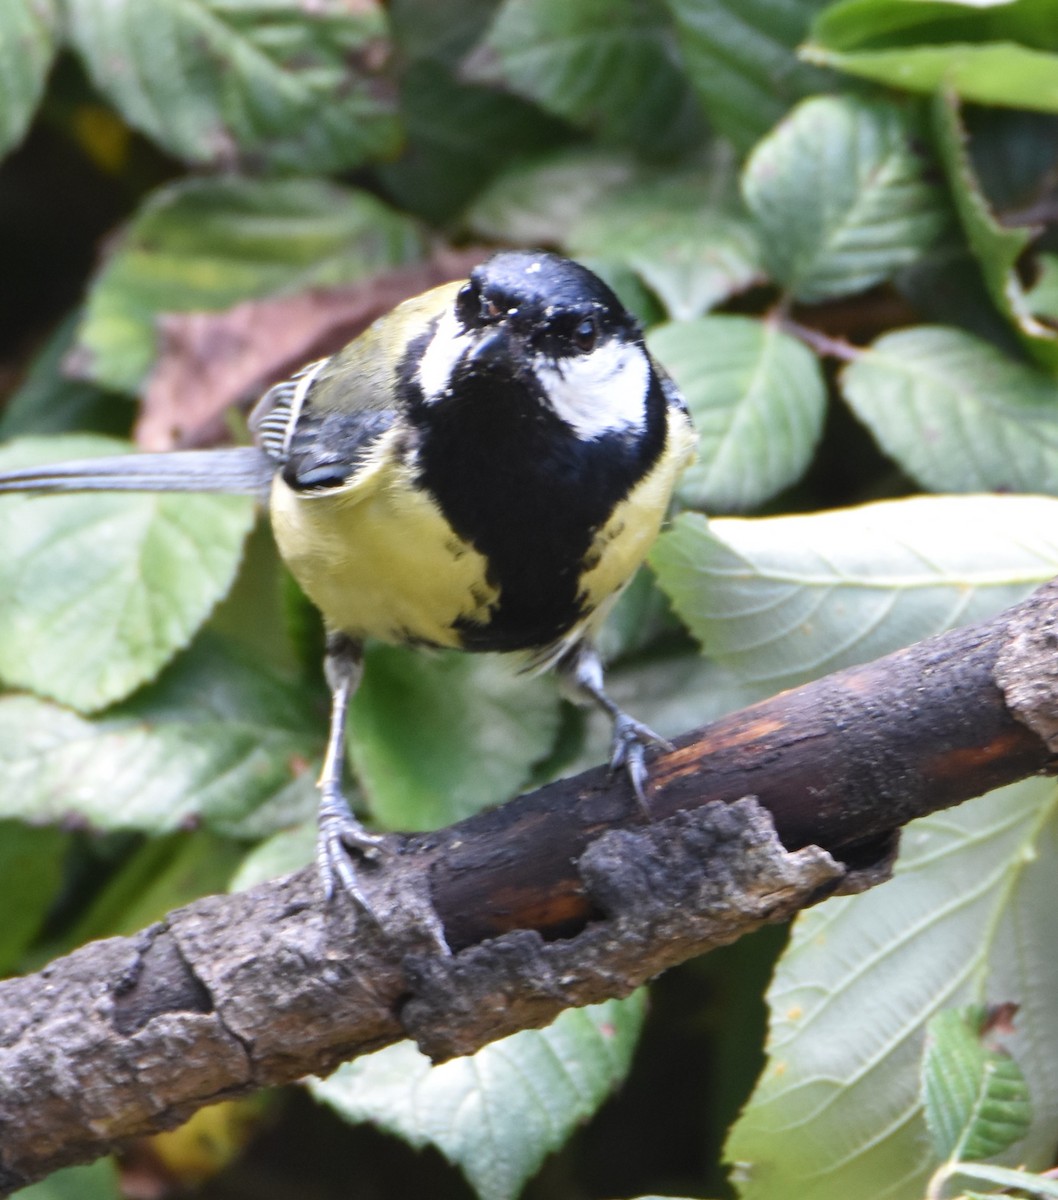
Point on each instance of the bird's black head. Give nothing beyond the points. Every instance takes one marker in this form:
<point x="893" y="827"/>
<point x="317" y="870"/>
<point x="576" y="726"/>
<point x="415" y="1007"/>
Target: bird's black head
<point x="541" y="333"/>
<point x="561" y="307"/>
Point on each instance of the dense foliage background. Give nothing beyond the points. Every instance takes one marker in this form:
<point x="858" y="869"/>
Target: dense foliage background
<point x="837" y="221"/>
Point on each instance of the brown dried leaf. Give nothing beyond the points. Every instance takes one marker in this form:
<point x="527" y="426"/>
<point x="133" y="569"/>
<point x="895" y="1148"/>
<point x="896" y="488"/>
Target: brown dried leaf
<point x="209" y="361"/>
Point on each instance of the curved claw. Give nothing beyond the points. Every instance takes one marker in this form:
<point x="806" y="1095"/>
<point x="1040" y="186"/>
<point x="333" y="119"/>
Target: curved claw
<point x="339" y="833"/>
<point x="628" y="750"/>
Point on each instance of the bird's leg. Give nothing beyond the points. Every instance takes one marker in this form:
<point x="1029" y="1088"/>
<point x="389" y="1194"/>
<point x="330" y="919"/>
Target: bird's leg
<point x="582" y="669"/>
<point x="339" y="831"/>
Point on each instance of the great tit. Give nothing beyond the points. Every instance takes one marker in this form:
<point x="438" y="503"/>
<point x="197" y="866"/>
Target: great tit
<point x="483" y="468"/>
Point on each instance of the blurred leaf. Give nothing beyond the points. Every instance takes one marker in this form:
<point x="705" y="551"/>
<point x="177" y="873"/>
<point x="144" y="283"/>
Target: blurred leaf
<point x="841" y="197"/>
<point x="98" y="592"/>
<point x="781" y="600"/>
<point x="957" y="414"/>
<point x="1043" y="296"/>
<point x="946" y="287"/>
<point x="640" y="617"/>
<point x="31" y="862"/>
<point x="438" y="737"/>
<point x="971" y="49"/>
<point x="162" y="874"/>
<point x="1008" y="1180"/>
<point x="974" y="1096"/>
<point x="628" y="287"/>
<point x="286" y="851"/>
<point x="27" y="47"/>
<point x="605" y="65"/>
<point x="96" y="1182"/>
<point x="220" y="82"/>
<point x="215" y="741"/>
<point x="49" y="402"/>
<point x="673" y="234"/>
<point x="458" y="137"/>
<point x="1012" y="156"/>
<point x="740" y="58"/>
<point x="426" y="30"/>
<point x="498" y="1113"/>
<point x="996" y="247"/>
<point x="458" y="134"/>
<point x="849" y="23"/>
<point x="538" y="201"/>
<point x="209" y="243"/>
<point x="967" y="917"/>
<point x="758" y="398"/>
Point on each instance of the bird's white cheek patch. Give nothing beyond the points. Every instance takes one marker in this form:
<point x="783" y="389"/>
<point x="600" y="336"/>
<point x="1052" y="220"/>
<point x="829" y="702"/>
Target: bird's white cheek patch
<point x="446" y="347"/>
<point x="598" y="393"/>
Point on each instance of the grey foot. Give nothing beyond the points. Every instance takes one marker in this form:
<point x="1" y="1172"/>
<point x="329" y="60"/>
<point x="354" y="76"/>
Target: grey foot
<point x="341" y="838"/>
<point x="628" y="750"/>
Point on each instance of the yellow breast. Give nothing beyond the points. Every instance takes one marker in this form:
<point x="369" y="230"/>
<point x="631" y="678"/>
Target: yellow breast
<point x="378" y="559"/>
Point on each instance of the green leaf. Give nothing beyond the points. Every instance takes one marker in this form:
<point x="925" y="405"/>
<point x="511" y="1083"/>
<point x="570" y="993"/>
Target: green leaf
<point x="995" y="54"/>
<point x="96" y="1182"/>
<point x="457" y="137"/>
<point x="31" y="861"/>
<point x="215" y="742"/>
<point x="851" y="23"/>
<point x="997" y="248"/>
<point x="758" y="399"/>
<point x="989" y="74"/>
<point x="435" y="738"/>
<point x="841" y="197"/>
<point x="967" y="918"/>
<point x="672" y="232"/>
<point x="458" y="134"/>
<point x="98" y="592"/>
<point x="781" y="600"/>
<point x="957" y="414"/>
<point x="605" y="65"/>
<point x="1008" y="1180"/>
<point x="641" y="617"/>
<point x="740" y="58"/>
<point x="283" y="852"/>
<point x="220" y="82"/>
<point x="974" y="1096"/>
<point x="27" y="49"/>
<point x="497" y="1114"/>
<point x="1043" y="296"/>
<point x="209" y="243"/>
<point x="537" y="202"/>
<point x="162" y="874"/>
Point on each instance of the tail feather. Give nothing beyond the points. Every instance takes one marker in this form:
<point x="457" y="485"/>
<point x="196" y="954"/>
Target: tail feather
<point x="239" y="469"/>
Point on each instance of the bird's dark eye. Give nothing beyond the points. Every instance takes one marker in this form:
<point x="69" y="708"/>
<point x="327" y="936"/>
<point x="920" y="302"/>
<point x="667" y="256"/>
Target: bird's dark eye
<point x="585" y="335"/>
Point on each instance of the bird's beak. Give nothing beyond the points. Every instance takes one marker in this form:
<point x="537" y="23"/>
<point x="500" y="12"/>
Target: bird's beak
<point x="494" y="349"/>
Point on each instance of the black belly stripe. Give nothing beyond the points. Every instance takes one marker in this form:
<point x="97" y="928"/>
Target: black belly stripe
<point x="515" y="482"/>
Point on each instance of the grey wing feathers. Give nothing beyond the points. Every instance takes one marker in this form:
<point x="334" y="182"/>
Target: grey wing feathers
<point x="277" y="413"/>
<point x="320" y="424"/>
<point x="239" y="469"/>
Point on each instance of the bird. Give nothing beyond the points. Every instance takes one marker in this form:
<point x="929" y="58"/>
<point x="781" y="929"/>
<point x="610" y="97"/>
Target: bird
<point x="483" y="468"/>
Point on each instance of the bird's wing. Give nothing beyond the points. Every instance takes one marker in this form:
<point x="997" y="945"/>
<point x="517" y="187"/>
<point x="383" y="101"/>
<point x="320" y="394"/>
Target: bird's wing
<point x="323" y="425"/>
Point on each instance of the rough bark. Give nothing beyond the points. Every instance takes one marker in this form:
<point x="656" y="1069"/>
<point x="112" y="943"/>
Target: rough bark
<point x="562" y="897"/>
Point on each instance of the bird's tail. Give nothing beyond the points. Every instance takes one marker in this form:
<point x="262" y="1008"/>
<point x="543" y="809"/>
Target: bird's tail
<point x="240" y="469"/>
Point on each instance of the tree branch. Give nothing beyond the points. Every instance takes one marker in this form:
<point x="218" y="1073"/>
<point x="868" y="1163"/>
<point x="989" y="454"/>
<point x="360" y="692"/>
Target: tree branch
<point x="131" y="1035"/>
